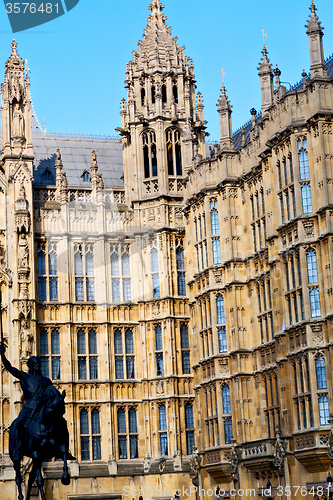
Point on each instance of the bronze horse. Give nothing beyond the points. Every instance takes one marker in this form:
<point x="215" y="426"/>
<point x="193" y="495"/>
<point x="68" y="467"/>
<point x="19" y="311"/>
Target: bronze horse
<point x="40" y="431"/>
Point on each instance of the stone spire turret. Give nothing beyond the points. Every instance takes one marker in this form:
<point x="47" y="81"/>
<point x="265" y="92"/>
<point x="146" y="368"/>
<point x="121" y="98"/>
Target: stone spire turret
<point x="315" y="35"/>
<point x="16" y="108"/>
<point x="61" y="180"/>
<point x="225" y="109"/>
<point x="160" y="113"/>
<point x="266" y="81"/>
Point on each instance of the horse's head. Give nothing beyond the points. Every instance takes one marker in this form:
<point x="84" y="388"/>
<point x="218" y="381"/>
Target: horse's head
<point x="54" y="403"/>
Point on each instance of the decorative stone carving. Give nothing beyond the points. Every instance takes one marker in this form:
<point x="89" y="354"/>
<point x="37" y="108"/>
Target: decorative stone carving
<point x="308" y="228"/>
<point x="17" y="123"/>
<point x="195" y="464"/>
<point x="280" y="449"/>
<point x="234" y="462"/>
<point x="26" y="339"/>
<point x="23" y="251"/>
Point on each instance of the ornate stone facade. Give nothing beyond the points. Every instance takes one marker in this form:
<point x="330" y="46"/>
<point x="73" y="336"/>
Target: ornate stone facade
<point x="189" y="309"/>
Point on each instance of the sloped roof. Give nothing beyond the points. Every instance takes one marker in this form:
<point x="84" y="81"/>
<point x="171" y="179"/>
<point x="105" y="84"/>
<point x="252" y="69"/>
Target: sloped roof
<point x="76" y="158"/>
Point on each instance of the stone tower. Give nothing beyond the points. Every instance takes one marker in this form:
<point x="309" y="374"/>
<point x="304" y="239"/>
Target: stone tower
<point x="162" y="125"/>
<point x="17" y="235"/>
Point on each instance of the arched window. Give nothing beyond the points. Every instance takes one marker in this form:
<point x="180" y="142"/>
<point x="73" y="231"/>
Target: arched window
<point x="163" y="430"/>
<point x="129" y="348"/>
<point x="311" y="260"/>
<point x="44" y="351"/>
<point x="155" y="270"/>
<point x="220" y="310"/>
<point x="55" y="352"/>
<point x="174" y="152"/>
<point x="303" y="159"/>
<point x="214" y="217"/>
<point x="143" y="96"/>
<point x="306" y="198"/>
<point x="222" y="336"/>
<point x="226" y="400"/>
<point x="86" y="177"/>
<point x="185" y="348"/>
<point x="153" y="94"/>
<point x="321" y="372"/>
<point x="122" y="437"/>
<point x="84" y="425"/>
<point x="189" y="424"/>
<point x="47" y="176"/>
<point x="164" y="93"/>
<point x="315" y="302"/>
<point x="159" y="351"/>
<point x="324" y="410"/>
<point x="118" y="350"/>
<point x="149" y="154"/>
<point x="175" y="92"/>
<point x="180" y="269"/>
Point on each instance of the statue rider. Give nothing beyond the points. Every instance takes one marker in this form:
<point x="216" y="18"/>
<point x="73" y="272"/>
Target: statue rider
<point x="33" y="385"/>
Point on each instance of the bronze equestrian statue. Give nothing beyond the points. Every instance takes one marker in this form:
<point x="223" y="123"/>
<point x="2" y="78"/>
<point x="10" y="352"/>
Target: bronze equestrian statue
<point x="40" y="431"/>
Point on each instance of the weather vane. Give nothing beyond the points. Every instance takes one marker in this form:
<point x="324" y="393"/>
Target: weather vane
<point x="223" y="75"/>
<point x="264" y="35"/>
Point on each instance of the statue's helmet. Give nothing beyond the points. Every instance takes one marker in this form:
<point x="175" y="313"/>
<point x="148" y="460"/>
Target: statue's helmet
<point x="32" y="361"/>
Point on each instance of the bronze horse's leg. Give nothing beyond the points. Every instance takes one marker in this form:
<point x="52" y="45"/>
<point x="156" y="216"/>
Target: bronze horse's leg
<point x="18" y="478"/>
<point x="37" y="465"/>
<point x="65" y="478"/>
<point x="32" y="477"/>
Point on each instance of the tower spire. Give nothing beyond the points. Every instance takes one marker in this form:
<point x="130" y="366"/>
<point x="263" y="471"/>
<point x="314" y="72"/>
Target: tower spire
<point x="156" y="17"/>
<point x="225" y="109"/>
<point x="266" y="80"/>
<point x="315" y="34"/>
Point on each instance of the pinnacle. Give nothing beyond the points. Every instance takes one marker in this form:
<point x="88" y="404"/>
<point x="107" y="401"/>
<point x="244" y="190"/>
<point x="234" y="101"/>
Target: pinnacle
<point x="156" y="6"/>
<point x="14" y="60"/>
<point x="313" y="24"/>
<point x="14" y="47"/>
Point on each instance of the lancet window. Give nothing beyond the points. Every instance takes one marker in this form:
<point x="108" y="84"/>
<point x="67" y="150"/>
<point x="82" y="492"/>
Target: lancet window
<point x="124" y="351"/>
<point x="159" y="351"/>
<point x="226" y="408"/>
<point x="90" y="434"/>
<point x="180" y="268"/>
<point x="321" y="372"/>
<point x="47" y="260"/>
<point x="189" y="424"/>
<point x="149" y="154"/>
<point x="163" y="430"/>
<point x="120" y="273"/>
<point x="185" y="348"/>
<point x="215" y="228"/>
<point x="127" y="434"/>
<point x="49" y="348"/>
<point x="84" y="272"/>
<point x="174" y="152"/>
<point x="87" y="354"/>
<point x="155" y="269"/>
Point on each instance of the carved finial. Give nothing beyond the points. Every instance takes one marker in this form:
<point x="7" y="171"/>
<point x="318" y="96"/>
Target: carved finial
<point x="58" y="154"/>
<point x="27" y="69"/>
<point x="93" y="155"/>
<point x="14" y="47"/>
<point x="313" y="24"/>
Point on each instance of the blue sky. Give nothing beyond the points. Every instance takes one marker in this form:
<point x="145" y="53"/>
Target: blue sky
<point x="78" y="61"/>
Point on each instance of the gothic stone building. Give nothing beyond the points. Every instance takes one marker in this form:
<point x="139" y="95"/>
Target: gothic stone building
<point x="183" y="300"/>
